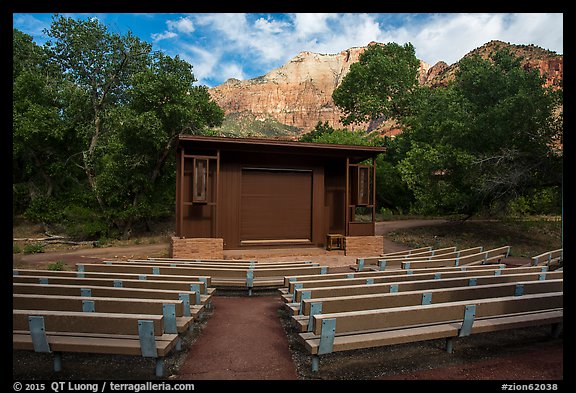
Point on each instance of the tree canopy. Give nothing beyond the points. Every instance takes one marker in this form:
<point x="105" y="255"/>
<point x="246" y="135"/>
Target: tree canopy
<point x="492" y="135"/>
<point x="379" y="85"/>
<point x="96" y="116"/>
<point x="487" y="138"/>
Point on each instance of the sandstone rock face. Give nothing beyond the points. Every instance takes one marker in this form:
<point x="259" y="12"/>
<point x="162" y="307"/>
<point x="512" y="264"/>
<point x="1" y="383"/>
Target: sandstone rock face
<point x="299" y="93"/>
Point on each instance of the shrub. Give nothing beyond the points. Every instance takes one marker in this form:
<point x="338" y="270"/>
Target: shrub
<point x="58" y="265"/>
<point x="33" y="248"/>
<point x="84" y="224"/>
<point x="386" y="213"/>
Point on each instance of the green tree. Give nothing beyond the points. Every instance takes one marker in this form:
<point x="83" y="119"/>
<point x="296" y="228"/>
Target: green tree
<point x="101" y="64"/>
<point x="487" y="138"/>
<point x="319" y="130"/>
<point x="380" y="85"/>
<point x="161" y="104"/>
<point x="41" y="141"/>
<point x="96" y="119"/>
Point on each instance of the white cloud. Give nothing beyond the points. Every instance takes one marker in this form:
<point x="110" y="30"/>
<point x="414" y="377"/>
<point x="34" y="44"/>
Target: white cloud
<point x="162" y="36"/>
<point x="269" y="26"/>
<point x="182" y="25"/>
<point x="263" y="39"/>
<point x="231" y="70"/>
<point x="204" y="61"/>
<point x="307" y="24"/>
<point x="448" y="37"/>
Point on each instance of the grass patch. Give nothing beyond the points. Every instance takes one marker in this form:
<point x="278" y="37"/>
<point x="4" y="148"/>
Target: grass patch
<point x="57" y="266"/>
<point x="526" y="238"/>
<point x="33" y="248"/>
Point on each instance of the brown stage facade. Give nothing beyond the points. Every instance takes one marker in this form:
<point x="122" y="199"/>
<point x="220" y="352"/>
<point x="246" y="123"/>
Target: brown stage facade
<point x="255" y="193"/>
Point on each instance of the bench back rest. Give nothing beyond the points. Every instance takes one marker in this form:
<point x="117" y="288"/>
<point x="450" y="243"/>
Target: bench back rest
<point x="402" y="286"/>
<point x="108" y="282"/>
<point x="86" y="322"/>
<point x="428" y="296"/>
<point x="384" y="273"/>
<point x="176" y="260"/>
<point x="547" y="257"/>
<point x="95" y="304"/>
<point x="96" y="291"/>
<point x="482" y="257"/>
<point x="349" y="322"/>
<point x="168" y="270"/>
<point x="289" y="271"/>
<point x="211" y="265"/>
<point x="448" y="258"/>
<point x="414" y="275"/>
<point x="112" y="275"/>
<point x="407" y="252"/>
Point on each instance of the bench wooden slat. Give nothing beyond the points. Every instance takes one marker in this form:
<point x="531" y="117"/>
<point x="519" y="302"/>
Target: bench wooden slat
<point x="101" y="345"/>
<point x="517" y="321"/>
<point x="376" y="339"/>
<point x="75" y="290"/>
<point x="102" y="304"/>
<point x="70" y="321"/>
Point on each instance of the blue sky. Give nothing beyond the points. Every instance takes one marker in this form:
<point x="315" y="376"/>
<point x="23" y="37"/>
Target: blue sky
<point x="243" y="46"/>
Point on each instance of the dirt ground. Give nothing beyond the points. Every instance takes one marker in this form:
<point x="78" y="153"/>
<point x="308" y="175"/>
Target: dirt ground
<point x="521" y="354"/>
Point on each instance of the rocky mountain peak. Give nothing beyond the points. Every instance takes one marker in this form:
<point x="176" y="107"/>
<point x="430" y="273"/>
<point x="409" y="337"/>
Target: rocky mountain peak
<point x="298" y="94"/>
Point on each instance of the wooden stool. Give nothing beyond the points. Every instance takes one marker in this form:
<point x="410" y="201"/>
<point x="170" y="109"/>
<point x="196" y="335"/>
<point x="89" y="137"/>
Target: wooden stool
<point x="334" y="241"/>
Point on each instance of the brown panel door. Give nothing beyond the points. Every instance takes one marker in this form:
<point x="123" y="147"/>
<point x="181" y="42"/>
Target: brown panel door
<point x="276" y="205"/>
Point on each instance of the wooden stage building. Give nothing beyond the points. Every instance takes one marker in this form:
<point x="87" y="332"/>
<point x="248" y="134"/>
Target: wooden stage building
<point x="245" y="193"/>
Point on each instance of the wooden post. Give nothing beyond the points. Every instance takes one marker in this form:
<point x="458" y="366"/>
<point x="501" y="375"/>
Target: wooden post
<point x="181" y="197"/>
<point x="347" y="199"/>
<point x="216" y="198"/>
<point x="373" y="196"/>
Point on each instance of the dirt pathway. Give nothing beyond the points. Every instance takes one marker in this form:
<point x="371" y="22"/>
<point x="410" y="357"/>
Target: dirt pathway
<point x="243" y="340"/>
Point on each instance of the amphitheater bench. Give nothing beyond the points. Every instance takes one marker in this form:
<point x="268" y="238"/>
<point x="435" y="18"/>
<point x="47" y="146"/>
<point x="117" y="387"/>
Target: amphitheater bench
<point x="291" y="280"/>
<point x="391" y="282"/>
<point x="116" y="334"/>
<point x="395" y="262"/>
<point x="555" y="257"/>
<point x="184" y="263"/>
<point x="176" y="318"/>
<point x="198" y="287"/>
<point x="219" y="276"/>
<point x="407" y="252"/>
<point x="310" y="307"/>
<point x="381" y="327"/>
<point x="114" y="275"/>
<point x="191" y="309"/>
<point x="492" y="256"/>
